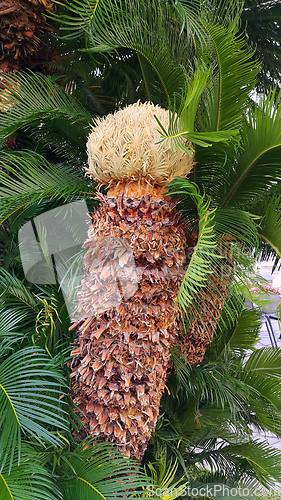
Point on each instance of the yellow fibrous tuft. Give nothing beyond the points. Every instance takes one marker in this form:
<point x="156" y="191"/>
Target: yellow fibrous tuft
<point x="123" y="146"/>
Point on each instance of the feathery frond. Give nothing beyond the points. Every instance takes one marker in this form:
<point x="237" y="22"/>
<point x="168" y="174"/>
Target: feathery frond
<point x="269" y="228"/>
<point x="264" y="460"/>
<point x="146" y="28"/>
<point x="29" y="389"/>
<point x="258" y="166"/>
<point x="26" y="97"/>
<point x="239" y="224"/>
<point x="233" y="78"/>
<point x="98" y="470"/>
<point x="241" y="335"/>
<point x="200" y="265"/>
<point x="32" y="178"/>
<point x="28" y="480"/>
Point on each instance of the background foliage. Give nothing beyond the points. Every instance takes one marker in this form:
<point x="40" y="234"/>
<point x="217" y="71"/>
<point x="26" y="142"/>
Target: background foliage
<point x="195" y="59"/>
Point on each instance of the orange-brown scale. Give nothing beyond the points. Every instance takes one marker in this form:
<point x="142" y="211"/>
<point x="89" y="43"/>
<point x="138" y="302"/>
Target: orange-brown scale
<point x="121" y="357"/>
<point x="121" y="354"/>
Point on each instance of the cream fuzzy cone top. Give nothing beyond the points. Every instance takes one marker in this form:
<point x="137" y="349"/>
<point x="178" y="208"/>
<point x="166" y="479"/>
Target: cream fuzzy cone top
<point x="122" y="146"/>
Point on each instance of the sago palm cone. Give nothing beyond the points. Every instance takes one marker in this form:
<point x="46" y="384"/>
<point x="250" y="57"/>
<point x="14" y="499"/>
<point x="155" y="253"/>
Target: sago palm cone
<point x="121" y="353"/>
<point x="22" y="26"/>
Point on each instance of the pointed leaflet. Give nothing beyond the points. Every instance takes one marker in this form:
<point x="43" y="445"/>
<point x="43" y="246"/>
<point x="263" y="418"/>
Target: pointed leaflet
<point x="17" y="298"/>
<point x="32" y="178"/>
<point x="233" y="78"/>
<point x="258" y="165"/>
<point x="243" y="334"/>
<point x="26" y="97"/>
<point x="203" y="257"/>
<point x="10" y="319"/>
<point x="143" y="26"/>
<point x="29" y="389"/>
<point x="240" y="224"/>
<point x="182" y="122"/>
<point x="269" y="227"/>
<point x="262" y="371"/>
<point x="100" y="472"/>
<point x="28" y="480"/>
<point x="265" y="461"/>
<point x="264" y="362"/>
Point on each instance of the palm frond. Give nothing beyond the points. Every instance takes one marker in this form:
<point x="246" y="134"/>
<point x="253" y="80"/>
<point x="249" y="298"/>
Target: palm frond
<point x="18" y="308"/>
<point x="61" y="140"/>
<point x="13" y="287"/>
<point x="264" y="460"/>
<point x="29" y="389"/>
<point x="26" y="97"/>
<point x="214" y="11"/>
<point x="27" y="480"/>
<point x="259" y="21"/>
<point x="200" y="265"/>
<point x="262" y="372"/>
<point x="242" y="335"/>
<point x="32" y="178"/>
<point x="269" y="228"/>
<point x="181" y="123"/>
<point x="10" y="319"/>
<point x="210" y="384"/>
<point x="234" y="76"/>
<point x="144" y="27"/>
<point x="240" y="224"/>
<point x="258" y="166"/>
<point x="97" y="470"/>
<point x="264" y="362"/>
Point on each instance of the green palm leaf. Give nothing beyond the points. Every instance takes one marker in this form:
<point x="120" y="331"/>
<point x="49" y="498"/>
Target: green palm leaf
<point x="65" y="139"/>
<point x="262" y="372"/>
<point x="29" y="388"/>
<point x="10" y="319"/>
<point x="32" y="178"/>
<point x="144" y="27"/>
<point x="234" y="76"/>
<point x="269" y="228"/>
<point x="258" y="166"/>
<point x="264" y="362"/>
<point x="12" y="286"/>
<point x="100" y="472"/>
<point x="203" y="257"/>
<point x="241" y="335"/>
<point x="27" y="97"/>
<point x="27" y="480"/>
<point x="18" y="308"/>
<point x="214" y="11"/>
<point x="181" y="124"/>
<point x="260" y="21"/>
<point x="240" y="224"/>
<point x="265" y="461"/>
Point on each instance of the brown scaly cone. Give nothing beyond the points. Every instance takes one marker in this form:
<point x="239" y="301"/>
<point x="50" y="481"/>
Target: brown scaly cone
<point x="22" y="46"/>
<point x="199" y="334"/>
<point x="121" y="355"/>
<point x="22" y="25"/>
